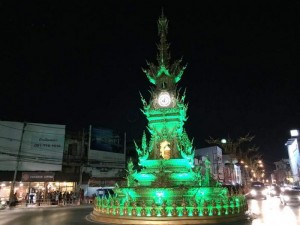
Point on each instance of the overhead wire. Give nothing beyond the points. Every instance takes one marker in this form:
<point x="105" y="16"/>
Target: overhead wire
<point x="33" y="131"/>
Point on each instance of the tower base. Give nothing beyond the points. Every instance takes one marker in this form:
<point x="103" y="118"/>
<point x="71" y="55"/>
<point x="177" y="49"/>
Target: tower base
<point x="110" y="219"/>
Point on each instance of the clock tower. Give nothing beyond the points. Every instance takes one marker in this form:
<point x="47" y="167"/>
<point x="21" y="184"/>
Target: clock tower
<point x="168" y="188"/>
<point x="166" y="110"/>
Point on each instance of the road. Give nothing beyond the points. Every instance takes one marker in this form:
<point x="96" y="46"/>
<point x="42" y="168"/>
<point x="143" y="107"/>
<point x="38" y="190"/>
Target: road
<point x="263" y="212"/>
<point x="46" y="216"/>
<point x="271" y="212"/>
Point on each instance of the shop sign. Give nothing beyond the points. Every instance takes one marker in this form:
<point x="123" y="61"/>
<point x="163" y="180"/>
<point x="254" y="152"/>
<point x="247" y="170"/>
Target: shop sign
<point x="37" y="177"/>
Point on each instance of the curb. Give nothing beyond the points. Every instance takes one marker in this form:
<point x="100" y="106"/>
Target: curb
<point x="22" y="207"/>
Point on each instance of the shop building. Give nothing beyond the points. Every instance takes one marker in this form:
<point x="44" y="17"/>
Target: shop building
<point x="52" y="159"/>
<point x="38" y="160"/>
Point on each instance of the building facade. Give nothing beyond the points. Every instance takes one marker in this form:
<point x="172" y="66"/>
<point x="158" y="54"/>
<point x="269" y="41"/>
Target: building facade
<point x="294" y="157"/>
<point x="282" y="174"/>
<point x="68" y="172"/>
<point x="214" y="154"/>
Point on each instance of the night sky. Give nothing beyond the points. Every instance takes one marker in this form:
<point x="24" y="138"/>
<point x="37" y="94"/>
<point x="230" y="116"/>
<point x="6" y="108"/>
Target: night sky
<point x="80" y="62"/>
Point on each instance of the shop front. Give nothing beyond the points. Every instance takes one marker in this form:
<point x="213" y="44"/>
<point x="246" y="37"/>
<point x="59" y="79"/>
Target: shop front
<point x="38" y="188"/>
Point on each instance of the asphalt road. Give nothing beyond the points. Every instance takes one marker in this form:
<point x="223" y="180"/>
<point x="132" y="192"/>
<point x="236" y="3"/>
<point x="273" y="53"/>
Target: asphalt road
<point x="46" y="216"/>
<point x="77" y="215"/>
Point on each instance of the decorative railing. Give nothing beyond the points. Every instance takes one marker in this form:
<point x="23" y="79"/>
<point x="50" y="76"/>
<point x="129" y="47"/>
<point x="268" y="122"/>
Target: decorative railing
<point x="111" y="206"/>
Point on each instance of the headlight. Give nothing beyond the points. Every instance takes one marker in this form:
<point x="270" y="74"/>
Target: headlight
<point x="286" y="198"/>
<point x="2" y="202"/>
<point x="253" y="192"/>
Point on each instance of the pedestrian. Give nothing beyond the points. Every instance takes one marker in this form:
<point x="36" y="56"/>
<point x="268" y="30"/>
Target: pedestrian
<point x="81" y="195"/>
<point x="38" y="198"/>
<point x="31" y="198"/>
<point x="68" y="197"/>
<point x="27" y="199"/>
<point x="60" y="198"/>
<point x="64" y="197"/>
<point x="56" y="198"/>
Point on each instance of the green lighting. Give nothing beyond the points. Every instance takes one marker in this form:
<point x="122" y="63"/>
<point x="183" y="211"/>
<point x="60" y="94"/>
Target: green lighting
<point x="168" y="184"/>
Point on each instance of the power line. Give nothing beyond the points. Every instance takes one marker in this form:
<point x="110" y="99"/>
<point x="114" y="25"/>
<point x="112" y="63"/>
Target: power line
<point x="32" y="131"/>
<point x="38" y="125"/>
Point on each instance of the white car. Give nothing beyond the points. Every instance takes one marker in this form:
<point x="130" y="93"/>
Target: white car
<point x="290" y="196"/>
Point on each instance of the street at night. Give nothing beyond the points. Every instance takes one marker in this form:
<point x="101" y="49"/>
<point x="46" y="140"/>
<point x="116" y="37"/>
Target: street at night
<point x="263" y="212"/>
<point x="149" y="112"/>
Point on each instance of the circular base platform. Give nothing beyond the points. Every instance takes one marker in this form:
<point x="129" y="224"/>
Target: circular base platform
<point x="97" y="217"/>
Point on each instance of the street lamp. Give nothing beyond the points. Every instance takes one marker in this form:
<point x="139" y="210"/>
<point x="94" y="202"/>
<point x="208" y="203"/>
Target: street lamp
<point x="294" y="133"/>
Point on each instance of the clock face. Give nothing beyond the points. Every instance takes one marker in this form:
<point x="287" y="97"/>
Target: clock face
<point x="164" y="99"/>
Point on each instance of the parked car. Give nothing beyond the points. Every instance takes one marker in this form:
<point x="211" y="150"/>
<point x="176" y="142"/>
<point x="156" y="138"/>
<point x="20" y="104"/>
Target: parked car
<point x="290" y="196"/>
<point x="258" y="191"/>
<point x="105" y="192"/>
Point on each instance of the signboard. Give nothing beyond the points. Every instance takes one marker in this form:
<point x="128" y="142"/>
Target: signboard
<point x="33" y="146"/>
<point x="106" y="148"/>
<point x="37" y="177"/>
<point x="294" y="156"/>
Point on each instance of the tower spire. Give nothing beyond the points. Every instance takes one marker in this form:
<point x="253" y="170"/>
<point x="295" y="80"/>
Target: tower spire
<point x="163" y="56"/>
<point x="164" y="71"/>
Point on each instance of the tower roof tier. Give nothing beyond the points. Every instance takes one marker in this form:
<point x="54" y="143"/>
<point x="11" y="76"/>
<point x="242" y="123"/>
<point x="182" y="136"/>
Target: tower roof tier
<point x="164" y="72"/>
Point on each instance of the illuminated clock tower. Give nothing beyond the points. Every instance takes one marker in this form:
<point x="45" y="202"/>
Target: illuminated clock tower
<point x="169" y="145"/>
<point x="169" y="188"/>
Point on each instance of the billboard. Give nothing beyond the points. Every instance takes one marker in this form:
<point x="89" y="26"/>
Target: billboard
<point x="106" y="148"/>
<point x="31" y="146"/>
<point x="294" y="156"/>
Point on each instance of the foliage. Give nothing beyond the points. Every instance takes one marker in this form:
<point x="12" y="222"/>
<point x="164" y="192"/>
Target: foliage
<point x="244" y="152"/>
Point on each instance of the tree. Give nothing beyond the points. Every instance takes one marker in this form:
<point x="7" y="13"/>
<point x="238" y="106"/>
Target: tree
<point x="246" y="154"/>
<point x="240" y="148"/>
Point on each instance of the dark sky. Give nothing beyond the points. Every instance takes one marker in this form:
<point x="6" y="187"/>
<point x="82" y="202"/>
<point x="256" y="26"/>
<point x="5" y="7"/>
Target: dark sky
<point x="79" y="63"/>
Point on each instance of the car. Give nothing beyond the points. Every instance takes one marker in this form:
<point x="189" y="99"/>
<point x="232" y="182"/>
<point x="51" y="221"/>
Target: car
<point x="258" y="191"/>
<point x="105" y="192"/>
<point x="297" y="188"/>
<point x="290" y="196"/>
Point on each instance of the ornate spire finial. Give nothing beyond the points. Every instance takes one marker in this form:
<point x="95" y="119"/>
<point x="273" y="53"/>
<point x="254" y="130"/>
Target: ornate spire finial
<point x="163" y="57"/>
<point x="162" y="24"/>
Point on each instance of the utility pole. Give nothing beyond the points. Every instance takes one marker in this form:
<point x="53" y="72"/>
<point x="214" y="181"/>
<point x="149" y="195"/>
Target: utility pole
<point x="12" y="188"/>
<point x="81" y="166"/>
<point x="125" y="158"/>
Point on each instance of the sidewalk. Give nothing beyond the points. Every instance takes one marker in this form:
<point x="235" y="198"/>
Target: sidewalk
<point x="35" y="206"/>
